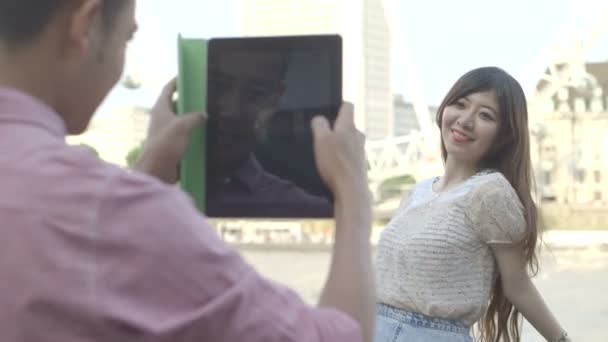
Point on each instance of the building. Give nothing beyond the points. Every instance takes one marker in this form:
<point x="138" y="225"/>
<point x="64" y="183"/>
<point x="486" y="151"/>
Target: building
<point x="405" y="117"/>
<point x="367" y="48"/>
<point x="570" y="141"/>
<point x="115" y="133"/>
<point x="405" y="120"/>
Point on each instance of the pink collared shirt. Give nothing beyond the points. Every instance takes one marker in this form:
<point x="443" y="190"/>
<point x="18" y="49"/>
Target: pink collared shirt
<point x="91" y="252"/>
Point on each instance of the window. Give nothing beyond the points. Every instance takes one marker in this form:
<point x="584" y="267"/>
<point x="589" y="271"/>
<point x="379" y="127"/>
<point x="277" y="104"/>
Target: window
<point x="546" y="177"/>
<point x="597" y="195"/>
<point x="580" y="175"/>
<point x="597" y="105"/>
<point x="597" y="175"/>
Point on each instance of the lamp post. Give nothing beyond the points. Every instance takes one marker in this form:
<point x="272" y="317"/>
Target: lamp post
<point x="583" y="84"/>
<point x="539" y="131"/>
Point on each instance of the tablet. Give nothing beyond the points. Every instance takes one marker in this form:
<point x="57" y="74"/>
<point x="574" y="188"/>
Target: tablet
<point x="256" y="158"/>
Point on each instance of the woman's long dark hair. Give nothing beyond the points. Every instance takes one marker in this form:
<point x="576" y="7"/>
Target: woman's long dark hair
<point x="510" y="155"/>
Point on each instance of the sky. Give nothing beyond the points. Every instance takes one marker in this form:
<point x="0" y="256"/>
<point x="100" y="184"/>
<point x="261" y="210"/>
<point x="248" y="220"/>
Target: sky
<point x="442" y="38"/>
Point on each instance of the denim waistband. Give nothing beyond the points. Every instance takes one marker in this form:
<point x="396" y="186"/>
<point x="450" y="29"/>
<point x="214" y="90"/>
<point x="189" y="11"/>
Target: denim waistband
<point x="423" y="321"/>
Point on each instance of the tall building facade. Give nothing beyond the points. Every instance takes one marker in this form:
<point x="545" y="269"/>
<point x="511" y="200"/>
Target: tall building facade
<point x="405" y="120"/>
<point x="366" y="48"/>
<point x="570" y="142"/>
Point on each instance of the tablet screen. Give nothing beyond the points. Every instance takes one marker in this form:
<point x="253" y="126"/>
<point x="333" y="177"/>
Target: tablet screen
<point x="262" y="95"/>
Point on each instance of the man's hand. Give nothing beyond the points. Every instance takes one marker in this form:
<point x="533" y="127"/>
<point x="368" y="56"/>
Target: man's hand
<point x="168" y="137"/>
<point x="340" y="153"/>
<point x="340" y="156"/>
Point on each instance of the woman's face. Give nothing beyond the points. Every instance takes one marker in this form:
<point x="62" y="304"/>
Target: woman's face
<point x="469" y="127"/>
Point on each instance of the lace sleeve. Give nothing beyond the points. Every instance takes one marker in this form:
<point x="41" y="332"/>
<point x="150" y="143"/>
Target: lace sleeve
<point x="497" y="213"/>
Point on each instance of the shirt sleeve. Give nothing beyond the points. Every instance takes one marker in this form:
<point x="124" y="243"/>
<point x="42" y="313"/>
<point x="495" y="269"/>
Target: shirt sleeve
<point x="163" y="274"/>
<point x="496" y="212"/>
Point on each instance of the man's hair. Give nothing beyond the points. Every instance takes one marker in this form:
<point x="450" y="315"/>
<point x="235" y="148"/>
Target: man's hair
<point x="21" y="21"/>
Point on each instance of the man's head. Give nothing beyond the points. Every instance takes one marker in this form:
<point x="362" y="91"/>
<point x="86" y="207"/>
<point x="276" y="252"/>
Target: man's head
<point x="68" y="53"/>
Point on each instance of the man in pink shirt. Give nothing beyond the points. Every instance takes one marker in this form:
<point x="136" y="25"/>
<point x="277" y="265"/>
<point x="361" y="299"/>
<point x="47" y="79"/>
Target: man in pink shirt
<point x="90" y="252"/>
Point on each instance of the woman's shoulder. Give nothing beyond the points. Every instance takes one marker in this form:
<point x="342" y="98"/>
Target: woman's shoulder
<point x="496" y="210"/>
<point x="492" y="184"/>
<point x="491" y="179"/>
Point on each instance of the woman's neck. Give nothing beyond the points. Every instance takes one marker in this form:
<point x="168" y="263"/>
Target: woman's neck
<point x="455" y="173"/>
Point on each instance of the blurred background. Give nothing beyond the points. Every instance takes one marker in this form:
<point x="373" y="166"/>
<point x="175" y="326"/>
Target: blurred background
<point x="400" y="58"/>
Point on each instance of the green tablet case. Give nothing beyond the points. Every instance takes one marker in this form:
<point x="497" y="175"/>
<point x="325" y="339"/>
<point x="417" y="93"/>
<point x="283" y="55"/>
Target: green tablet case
<point x="192" y="97"/>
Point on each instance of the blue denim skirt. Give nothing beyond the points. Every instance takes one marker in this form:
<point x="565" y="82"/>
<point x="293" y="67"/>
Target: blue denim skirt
<point x="395" y="325"/>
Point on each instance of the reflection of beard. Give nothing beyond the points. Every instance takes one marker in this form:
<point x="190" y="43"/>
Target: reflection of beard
<point x="262" y="125"/>
<point x="228" y="149"/>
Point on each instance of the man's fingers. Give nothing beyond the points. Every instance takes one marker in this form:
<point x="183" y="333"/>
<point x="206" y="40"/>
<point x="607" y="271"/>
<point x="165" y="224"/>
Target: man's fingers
<point x="165" y="100"/>
<point x="170" y="88"/>
<point x="320" y="127"/>
<point x="187" y="122"/>
<point x="346" y="115"/>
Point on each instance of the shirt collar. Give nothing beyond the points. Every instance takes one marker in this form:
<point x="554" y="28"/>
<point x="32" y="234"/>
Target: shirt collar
<point x="19" y="107"/>
<point x="249" y="173"/>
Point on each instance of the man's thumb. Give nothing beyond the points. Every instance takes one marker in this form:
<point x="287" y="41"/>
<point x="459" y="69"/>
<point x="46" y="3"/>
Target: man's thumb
<point x="320" y="127"/>
<point x="187" y="122"/>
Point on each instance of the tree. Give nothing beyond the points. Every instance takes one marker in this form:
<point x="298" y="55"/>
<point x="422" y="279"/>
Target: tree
<point x="134" y="155"/>
<point x="399" y="181"/>
<point x="393" y="187"/>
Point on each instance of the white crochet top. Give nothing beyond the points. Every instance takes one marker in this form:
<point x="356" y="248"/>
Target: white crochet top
<point x="434" y="257"/>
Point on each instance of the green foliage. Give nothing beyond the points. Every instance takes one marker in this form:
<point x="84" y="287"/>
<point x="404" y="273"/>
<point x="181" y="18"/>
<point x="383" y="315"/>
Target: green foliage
<point x="398" y="181"/>
<point x="393" y="187"/>
<point x="134" y="155"/>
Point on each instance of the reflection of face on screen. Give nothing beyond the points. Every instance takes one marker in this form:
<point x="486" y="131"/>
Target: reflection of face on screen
<point x="259" y="144"/>
<point x="245" y="87"/>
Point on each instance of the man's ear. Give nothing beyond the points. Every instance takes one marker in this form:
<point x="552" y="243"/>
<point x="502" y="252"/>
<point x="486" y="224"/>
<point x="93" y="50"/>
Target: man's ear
<point x="84" y="25"/>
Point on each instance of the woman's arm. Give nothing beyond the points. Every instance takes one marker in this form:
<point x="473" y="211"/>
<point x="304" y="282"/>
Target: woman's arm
<point x="522" y="293"/>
